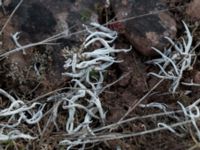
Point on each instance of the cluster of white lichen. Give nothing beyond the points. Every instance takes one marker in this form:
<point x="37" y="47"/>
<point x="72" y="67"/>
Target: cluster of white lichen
<point x="18" y="113"/>
<point x="86" y="68"/>
<point x="176" y="59"/>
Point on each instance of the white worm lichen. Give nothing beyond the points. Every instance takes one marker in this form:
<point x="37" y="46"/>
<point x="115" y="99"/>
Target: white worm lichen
<point x="15" y="38"/>
<point x="185" y="116"/>
<point x="17" y="113"/>
<point x="178" y="58"/>
<point x="86" y="68"/>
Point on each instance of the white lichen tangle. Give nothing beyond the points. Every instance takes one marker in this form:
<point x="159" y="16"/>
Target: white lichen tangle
<point x="176" y="59"/>
<point x="18" y="113"/>
<point x="81" y="67"/>
<point x="86" y="67"/>
<point x="180" y="122"/>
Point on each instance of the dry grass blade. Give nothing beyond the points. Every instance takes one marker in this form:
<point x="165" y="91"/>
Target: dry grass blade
<point x="11" y="15"/>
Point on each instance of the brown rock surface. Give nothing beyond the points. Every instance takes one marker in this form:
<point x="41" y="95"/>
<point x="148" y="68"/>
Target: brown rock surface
<point x="42" y="18"/>
<point x="145" y="30"/>
<point x="197" y="77"/>
<point x="193" y="10"/>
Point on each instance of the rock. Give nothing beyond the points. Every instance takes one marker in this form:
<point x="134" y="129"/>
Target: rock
<point x="40" y="69"/>
<point x="193" y="10"/>
<point x="42" y="18"/>
<point x="196" y="77"/>
<point x="37" y="20"/>
<point x="145" y="31"/>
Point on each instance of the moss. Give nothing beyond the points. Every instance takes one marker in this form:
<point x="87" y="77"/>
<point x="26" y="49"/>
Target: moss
<point x="85" y="15"/>
<point x="10" y="145"/>
<point x="94" y="74"/>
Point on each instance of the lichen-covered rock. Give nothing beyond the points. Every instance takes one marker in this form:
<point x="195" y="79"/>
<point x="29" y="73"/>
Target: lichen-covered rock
<point x="42" y="67"/>
<point x="143" y="28"/>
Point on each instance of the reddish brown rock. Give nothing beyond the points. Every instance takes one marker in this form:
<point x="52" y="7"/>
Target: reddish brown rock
<point x="193" y="10"/>
<point x="145" y="29"/>
<point x="196" y="77"/>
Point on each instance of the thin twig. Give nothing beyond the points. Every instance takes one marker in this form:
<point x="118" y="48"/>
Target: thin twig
<point x="140" y="100"/>
<point x="11" y="15"/>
